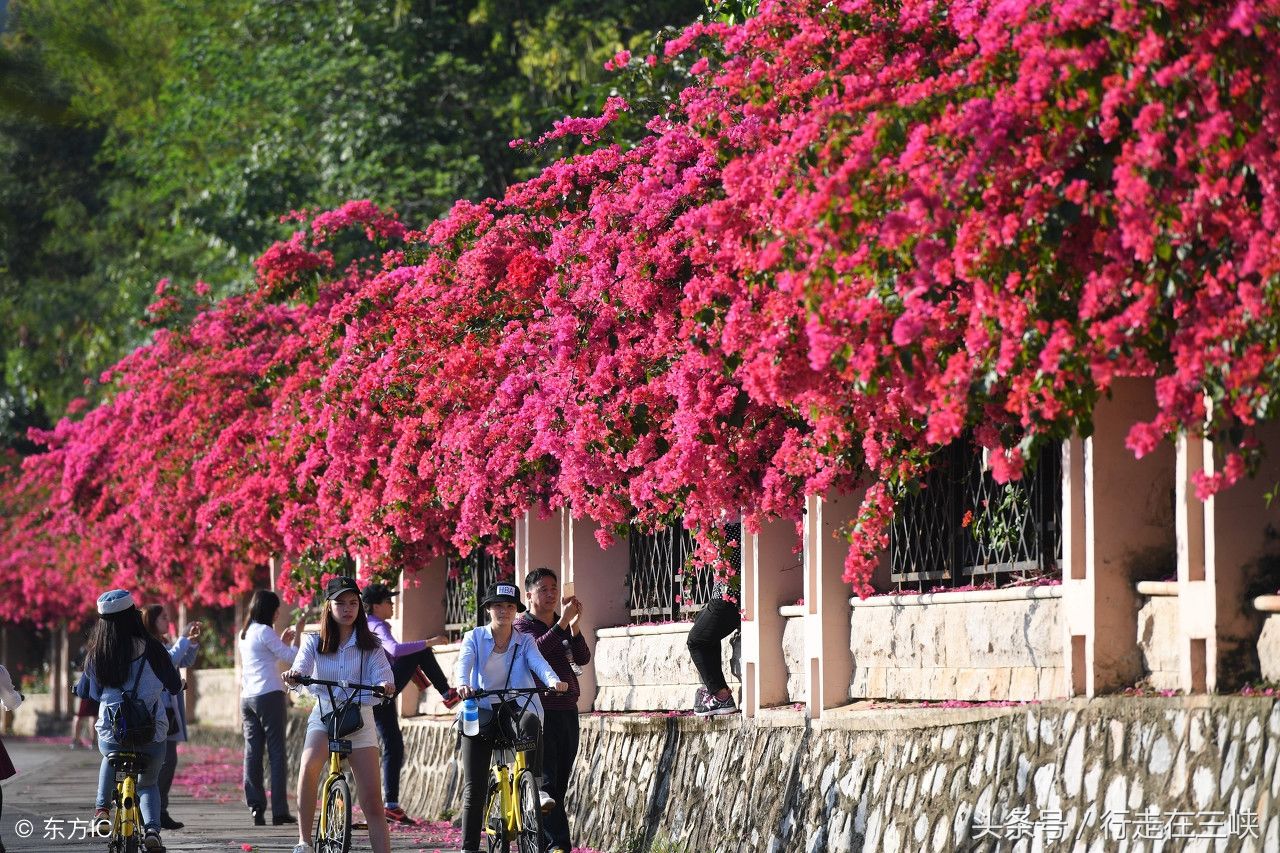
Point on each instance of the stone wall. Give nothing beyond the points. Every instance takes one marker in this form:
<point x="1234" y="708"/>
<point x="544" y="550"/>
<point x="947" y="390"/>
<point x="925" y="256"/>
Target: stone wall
<point x="215" y="697"/>
<point x="1269" y="647"/>
<point x="1269" y="638"/>
<point x="1003" y="644"/>
<point x="35" y="717"/>
<point x="648" y="668"/>
<point x="911" y="778"/>
<point x="793" y="652"/>
<point x="1158" y="634"/>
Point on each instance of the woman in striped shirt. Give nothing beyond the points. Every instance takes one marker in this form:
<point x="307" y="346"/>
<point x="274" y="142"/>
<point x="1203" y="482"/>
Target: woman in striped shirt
<point x="346" y="650"/>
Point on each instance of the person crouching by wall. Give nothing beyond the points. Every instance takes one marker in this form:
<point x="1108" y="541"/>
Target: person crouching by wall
<point x="718" y="619"/>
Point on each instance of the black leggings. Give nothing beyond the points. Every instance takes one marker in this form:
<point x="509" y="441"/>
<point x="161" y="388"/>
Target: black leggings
<point x="406" y="665"/>
<point x="476" y="752"/>
<point x="717" y="620"/>
<point x="167" y="772"/>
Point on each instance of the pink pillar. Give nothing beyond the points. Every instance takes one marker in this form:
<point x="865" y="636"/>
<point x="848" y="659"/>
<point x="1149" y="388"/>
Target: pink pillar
<point x="419" y="615"/>
<point x="538" y="544"/>
<point x="1117" y="529"/>
<point x="599" y="576"/>
<point x="1223" y="543"/>
<point x="826" y="601"/>
<point x="772" y="576"/>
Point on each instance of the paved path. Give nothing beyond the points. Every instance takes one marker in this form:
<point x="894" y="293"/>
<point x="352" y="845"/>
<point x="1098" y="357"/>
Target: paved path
<point x="57" y="784"/>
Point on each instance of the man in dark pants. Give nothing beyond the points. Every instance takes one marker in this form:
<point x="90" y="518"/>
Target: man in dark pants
<point x="564" y="647"/>
<point x="408" y="661"/>
<point x="718" y="619"/>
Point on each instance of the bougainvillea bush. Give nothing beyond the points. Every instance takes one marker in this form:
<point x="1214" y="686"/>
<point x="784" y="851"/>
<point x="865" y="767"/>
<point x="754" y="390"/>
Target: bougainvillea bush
<point x="861" y="230"/>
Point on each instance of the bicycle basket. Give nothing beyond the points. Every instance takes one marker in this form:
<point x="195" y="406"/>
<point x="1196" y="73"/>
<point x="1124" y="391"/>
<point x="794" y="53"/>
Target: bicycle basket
<point x="499" y="726"/>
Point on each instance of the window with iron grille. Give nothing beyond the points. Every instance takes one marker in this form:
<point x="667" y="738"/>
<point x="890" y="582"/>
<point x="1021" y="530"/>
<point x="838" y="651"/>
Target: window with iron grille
<point x="662" y="582"/>
<point x="465" y="583"/>
<point x="963" y="528"/>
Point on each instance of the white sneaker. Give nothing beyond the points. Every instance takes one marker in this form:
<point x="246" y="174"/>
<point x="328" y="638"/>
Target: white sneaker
<point x="303" y="847"/>
<point x="548" y="803"/>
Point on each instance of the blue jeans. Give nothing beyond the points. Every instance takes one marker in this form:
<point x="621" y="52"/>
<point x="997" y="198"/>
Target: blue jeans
<point x="387" y="720"/>
<point x="148" y="782"/>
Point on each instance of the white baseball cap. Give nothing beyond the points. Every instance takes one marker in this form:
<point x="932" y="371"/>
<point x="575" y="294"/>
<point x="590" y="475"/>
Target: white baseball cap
<point x="115" y="601"/>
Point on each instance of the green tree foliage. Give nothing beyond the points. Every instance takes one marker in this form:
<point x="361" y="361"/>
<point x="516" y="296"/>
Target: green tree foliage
<point x="150" y="139"/>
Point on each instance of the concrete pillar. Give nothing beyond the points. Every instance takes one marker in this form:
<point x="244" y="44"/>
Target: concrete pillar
<point x="772" y="576"/>
<point x="241" y="611"/>
<point x="1118" y="529"/>
<point x="538" y="543"/>
<point x="599" y="576"/>
<point x="1224" y="545"/>
<point x="419" y="616"/>
<point x="826" y="601"/>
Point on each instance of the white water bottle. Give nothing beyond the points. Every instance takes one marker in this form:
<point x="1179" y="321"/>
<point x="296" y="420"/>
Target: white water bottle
<point x="470" y="716"/>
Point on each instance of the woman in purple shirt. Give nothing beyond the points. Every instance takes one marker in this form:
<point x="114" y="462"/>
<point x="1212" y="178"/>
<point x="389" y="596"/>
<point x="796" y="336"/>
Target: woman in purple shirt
<point x="406" y="661"/>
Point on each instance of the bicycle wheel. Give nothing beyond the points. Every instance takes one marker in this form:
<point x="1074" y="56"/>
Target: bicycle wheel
<point x="495" y="823"/>
<point x="529" y="804"/>
<point x="337" y="817"/>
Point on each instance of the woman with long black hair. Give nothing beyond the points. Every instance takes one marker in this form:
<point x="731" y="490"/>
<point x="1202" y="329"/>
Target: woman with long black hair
<point x="263" y="708"/>
<point x="124" y="657"/>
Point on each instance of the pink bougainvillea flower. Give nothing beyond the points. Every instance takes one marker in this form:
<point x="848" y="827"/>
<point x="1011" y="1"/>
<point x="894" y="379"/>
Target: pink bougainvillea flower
<point x="859" y="232"/>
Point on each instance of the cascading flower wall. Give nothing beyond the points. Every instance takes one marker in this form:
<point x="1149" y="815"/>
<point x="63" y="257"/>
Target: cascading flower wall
<point x="863" y="229"/>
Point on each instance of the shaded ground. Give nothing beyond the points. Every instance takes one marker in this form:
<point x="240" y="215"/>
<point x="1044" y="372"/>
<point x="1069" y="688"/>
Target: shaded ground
<point x="51" y="801"/>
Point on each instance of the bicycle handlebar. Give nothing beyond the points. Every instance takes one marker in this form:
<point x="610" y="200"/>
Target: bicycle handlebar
<point x="511" y="691"/>
<point x="345" y="685"/>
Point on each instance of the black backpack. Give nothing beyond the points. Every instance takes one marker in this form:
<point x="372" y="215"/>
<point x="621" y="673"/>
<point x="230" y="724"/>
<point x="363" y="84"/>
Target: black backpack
<point x="133" y="724"/>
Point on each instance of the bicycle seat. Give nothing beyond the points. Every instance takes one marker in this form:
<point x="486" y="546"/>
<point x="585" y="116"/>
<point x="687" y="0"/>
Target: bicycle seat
<point x="128" y="762"/>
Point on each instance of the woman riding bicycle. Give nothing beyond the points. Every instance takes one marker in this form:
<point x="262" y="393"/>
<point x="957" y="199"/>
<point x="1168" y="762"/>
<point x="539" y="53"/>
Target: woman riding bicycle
<point x="495" y="656"/>
<point x="123" y="656"/>
<point x="346" y="650"/>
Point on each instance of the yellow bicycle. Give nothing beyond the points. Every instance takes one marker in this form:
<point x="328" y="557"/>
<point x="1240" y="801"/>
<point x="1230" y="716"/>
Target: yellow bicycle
<point x="126" y="814"/>
<point x="513" y="808"/>
<point x="333" y="818"/>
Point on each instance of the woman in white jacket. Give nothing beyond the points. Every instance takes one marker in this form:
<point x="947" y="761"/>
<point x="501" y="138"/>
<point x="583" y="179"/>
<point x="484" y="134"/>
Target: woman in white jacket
<point x="492" y="657"/>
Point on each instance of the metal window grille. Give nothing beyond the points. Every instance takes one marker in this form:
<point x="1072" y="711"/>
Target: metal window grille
<point x="465" y="583"/>
<point x="964" y="528"/>
<point x="663" y="584"/>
